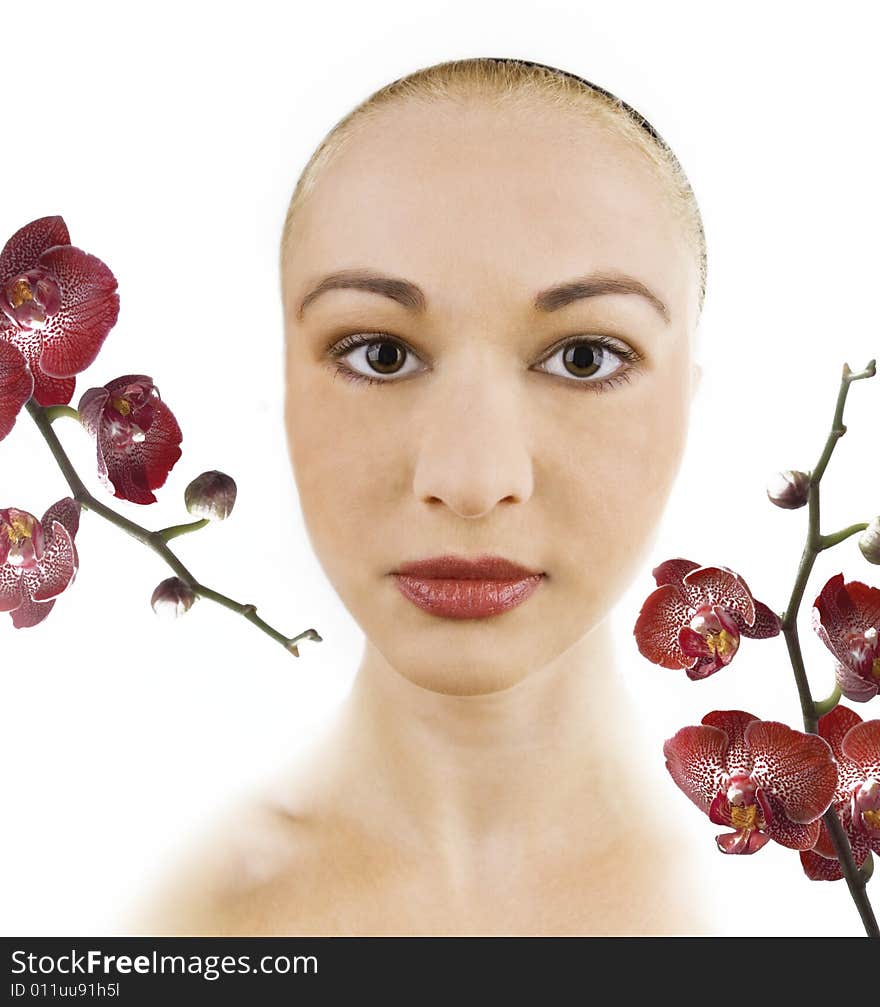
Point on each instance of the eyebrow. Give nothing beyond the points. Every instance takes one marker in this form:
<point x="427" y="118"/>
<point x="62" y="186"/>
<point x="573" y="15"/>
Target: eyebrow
<point x="413" y="298"/>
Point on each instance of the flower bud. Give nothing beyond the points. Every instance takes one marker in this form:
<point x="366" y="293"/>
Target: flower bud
<point x="172" y="598"/>
<point x="789" y="489"/>
<point x="869" y="541"/>
<point x="211" y="495"/>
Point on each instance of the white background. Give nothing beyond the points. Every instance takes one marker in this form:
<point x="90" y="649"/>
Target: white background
<point x="170" y="138"/>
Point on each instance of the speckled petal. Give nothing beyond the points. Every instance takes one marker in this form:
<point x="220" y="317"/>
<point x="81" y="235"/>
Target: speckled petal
<point x="16" y="385"/>
<point x="58" y="565"/>
<point x="781" y="829"/>
<point x="663" y="614"/>
<point x="833" y="727"/>
<point x="30" y="612"/>
<point x="66" y="510"/>
<point x="819" y="868"/>
<point x="767" y="622"/>
<point x="717" y="585"/>
<point x="672" y="571"/>
<point x="733" y="723"/>
<point x="28" y="243"/>
<point x="859" y="840"/>
<point x="862" y="746"/>
<point x="73" y="336"/>
<point x="796" y="768"/>
<point x="48" y="391"/>
<point x="866" y="602"/>
<point x="11" y="595"/>
<point x="695" y="760"/>
<point x="51" y="391"/>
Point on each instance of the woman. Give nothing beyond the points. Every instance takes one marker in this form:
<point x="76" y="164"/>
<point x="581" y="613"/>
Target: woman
<point x="492" y="275"/>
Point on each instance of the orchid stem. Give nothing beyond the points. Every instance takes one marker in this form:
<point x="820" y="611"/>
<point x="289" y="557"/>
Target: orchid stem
<point x="182" y="529"/>
<point x="824" y="706"/>
<point x="156" y="540"/>
<point x="811" y="711"/>
<point x="53" y="412"/>
<point x="827" y="541"/>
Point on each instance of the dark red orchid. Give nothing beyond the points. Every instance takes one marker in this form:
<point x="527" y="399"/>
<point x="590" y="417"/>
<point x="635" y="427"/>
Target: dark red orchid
<point x="16" y="386"/>
<point x="760" y="777"/>
<point x="137" y="435"/>
<point x="856" y="747"/>
<point x="57" y="305"/>
<point x="696" y="616"/>
<point x="38" y="560"/>
<point x="847" y="619"/>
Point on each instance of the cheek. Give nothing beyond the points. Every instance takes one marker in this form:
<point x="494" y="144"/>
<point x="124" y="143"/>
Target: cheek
<point x="336" y="460"/>
<point x="613" y="487"/>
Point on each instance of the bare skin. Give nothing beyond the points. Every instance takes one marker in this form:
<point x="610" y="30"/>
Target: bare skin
<point x="484" y="776"/>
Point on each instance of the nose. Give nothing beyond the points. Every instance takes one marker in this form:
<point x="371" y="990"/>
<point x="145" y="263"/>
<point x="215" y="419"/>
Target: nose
<point x="473" y="451"/>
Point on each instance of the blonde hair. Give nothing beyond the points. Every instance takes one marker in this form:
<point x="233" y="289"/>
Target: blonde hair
<point x="515" y="84"/>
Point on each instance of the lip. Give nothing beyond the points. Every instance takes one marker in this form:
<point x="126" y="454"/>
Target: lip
<point x="460" y="588"/>
<point x="449" y="567"/>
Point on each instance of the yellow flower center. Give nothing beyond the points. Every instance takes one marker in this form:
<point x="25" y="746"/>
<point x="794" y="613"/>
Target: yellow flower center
<point x="720" y="643"/>
<point x="872" y="818"/>
<point x="875" y="667"/>
<point x="743" y="818"/>
<point x="21" y="292"/>
<point x="19" y="528"/>
<point x="121" y="405"/>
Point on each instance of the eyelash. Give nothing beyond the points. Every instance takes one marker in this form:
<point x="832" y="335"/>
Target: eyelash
<point x="336" y="350"/>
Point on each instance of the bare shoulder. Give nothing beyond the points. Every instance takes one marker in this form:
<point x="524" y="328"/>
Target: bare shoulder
<point x="237" y="879"/>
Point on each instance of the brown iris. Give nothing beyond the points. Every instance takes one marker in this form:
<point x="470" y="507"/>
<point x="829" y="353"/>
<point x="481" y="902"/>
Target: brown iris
<point x="582" y="360"/>
<point x="385" y="357"/>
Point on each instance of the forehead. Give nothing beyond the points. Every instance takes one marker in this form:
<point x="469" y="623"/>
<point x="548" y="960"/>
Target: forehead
<point x="473" y="196"/>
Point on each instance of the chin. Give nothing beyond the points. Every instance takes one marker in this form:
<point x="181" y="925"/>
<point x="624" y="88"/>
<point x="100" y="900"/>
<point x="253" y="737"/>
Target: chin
<point x="462" y="670"/>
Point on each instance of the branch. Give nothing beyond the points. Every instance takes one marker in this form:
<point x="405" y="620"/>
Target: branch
<point x="156" y="540"/>
<point x="816" y="542"/>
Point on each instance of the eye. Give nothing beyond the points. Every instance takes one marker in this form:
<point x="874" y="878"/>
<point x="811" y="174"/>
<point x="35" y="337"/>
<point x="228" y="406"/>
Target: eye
<point x="591" y="361"/>
<point x="378" y="355"/>
<point x="588" y="362"/>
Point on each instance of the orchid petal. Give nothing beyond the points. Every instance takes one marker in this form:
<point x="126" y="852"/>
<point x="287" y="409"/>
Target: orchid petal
<point x="719" y="586"/>
<point x="73" y="336"/>
<point x="743" y="841"/>
<point x="695" y="760"/>
<point x="663" y="614"/>
<point x="781" y="829"/>
<point x="861" y="744"/>
<point x="28" y="243"/>
<point x="797" y="768"/>
<point x="733" y="723"/>
<point x="16" y="385"/>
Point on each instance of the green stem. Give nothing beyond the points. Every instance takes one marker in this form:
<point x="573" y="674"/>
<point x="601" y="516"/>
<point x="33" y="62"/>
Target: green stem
<point x="156" y="540"/>
<point x="823" y="706"/>
<point x="172" y="531"/>
<point x="827" y="541"/>
<point x="53" y="412"/>
<point x="811" y="711"/>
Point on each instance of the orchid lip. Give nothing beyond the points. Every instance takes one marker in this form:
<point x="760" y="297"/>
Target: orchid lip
<point x="451" y="567"/>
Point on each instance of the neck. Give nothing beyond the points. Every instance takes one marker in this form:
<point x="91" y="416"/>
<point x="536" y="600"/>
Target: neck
<point x="555" y="756"/>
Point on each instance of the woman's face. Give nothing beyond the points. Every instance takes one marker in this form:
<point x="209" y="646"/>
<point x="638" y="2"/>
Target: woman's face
<point x="486" y="435"/>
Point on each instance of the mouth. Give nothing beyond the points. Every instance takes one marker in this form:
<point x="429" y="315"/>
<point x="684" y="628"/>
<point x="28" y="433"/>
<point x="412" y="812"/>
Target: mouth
<point x="456" y="587"/>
